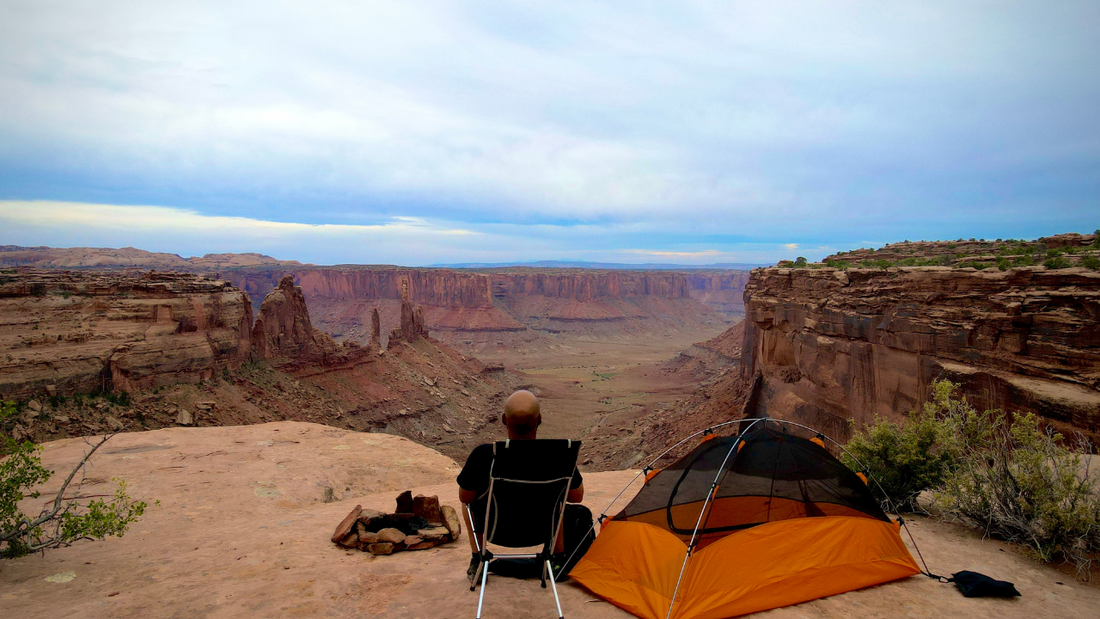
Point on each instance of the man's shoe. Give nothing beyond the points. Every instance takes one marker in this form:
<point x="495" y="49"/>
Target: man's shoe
<point x="471" y="571"/>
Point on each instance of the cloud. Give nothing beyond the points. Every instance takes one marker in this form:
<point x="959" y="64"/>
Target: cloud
<point x="412" y="241"/>
<point x="791" y="245"/>
<point x="777" y="122"/>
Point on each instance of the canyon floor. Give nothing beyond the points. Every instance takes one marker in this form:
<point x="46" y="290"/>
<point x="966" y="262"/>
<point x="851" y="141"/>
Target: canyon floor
<point x="598" y="388"/>
<point x="240" y="531"/>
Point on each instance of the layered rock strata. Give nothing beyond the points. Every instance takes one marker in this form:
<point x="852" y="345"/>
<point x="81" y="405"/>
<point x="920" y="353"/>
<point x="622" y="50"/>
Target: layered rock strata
<point x="68" y="332"/>
<point x="283" y="328"/>
<point x="834" y="346"/>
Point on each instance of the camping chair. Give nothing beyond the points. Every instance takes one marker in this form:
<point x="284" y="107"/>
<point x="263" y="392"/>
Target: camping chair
<point x="528" y="485"/>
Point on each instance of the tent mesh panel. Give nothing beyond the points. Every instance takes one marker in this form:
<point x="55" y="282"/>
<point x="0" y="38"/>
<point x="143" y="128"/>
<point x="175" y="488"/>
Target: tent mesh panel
<point x="773" y="475"/>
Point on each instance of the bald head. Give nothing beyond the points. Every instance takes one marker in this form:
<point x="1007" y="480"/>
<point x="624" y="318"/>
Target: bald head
<point x="521" y="415"/>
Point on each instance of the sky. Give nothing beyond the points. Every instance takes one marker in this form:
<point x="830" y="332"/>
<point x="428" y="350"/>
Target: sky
<point x="422" y="133"/>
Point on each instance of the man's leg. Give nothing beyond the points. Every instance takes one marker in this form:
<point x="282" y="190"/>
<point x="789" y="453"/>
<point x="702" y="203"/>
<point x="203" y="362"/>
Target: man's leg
<point x="475" y="536"/>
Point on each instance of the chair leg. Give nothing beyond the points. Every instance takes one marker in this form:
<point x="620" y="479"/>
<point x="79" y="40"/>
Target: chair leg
<point x="481" y="596"/>
<point x="554" y="588"/>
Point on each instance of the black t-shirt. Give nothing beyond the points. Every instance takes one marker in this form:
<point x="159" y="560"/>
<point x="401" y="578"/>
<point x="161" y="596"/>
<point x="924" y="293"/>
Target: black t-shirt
<point x="475" y="475"/>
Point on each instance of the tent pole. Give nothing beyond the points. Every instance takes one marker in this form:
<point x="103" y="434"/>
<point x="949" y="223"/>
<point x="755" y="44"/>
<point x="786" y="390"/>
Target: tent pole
<point x="650" y="465"/>
<point x="702" y="512"/>
<point x="890" y="503"/>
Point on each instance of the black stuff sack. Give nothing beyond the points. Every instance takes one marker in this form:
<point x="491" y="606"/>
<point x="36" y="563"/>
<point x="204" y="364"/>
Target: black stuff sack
<point x="578" y="536"/>
<point x="975" y="585"/>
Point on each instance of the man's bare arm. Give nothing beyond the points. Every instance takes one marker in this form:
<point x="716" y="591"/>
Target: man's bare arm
<point x="576" y="495"/>
<point x="468" y="496"/>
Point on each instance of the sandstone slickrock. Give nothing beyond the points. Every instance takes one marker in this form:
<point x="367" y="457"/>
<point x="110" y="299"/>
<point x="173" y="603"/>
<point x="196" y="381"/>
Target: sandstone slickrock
<point x="1024" y="339"/>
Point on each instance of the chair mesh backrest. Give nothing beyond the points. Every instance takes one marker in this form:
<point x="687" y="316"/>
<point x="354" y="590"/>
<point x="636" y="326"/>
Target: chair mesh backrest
<point x="530" y="481"/>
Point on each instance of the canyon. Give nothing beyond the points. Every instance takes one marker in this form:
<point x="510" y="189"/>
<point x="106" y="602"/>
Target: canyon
<point x="473" y="310"/>
<point x="91" y="351"/>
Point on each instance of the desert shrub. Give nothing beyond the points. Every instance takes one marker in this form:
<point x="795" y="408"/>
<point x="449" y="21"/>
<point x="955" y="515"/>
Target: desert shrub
<point x="1023" y="261"/>
<point x="1023" y="483"/>
<point x="1057" y="262"/>
<point x="1006" y="474"/>
<point x="876" y="264"/>
<point x="62" y="521"/>
<point x="800" y="261"/>
<point x="1003" y="264"/>
<point x="1091" y="262"/>
<point x="907" y="459"/>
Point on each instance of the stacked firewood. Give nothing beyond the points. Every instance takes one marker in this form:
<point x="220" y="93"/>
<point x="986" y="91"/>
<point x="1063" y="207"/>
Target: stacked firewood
<point x="420" y="522"/>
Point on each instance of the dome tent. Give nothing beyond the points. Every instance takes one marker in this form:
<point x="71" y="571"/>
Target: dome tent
<point x="741" y="524"/>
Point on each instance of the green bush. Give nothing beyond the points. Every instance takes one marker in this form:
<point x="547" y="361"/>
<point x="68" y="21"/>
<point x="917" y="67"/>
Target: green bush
<point x="800" y="261"/>
<point x="906" y="459"/>
<point x="1091" y="262"/>
<point x="1057" y="262"/>
<point x="1003" y="473"/>
<point x="1003" y="264"/>
<point x="62" y="521"/>
<point x="1022" y="483"/>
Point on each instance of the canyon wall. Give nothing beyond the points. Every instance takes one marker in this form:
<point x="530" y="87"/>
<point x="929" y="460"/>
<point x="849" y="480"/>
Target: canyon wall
<point x="471" y="308"/>
<point x="834" y="346"/>
<point x="722" y="291"/>
<point x="80" y="332"/>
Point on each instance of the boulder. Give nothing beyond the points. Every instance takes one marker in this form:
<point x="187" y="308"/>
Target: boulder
<point x="367" y="516"/>
<point x="351" y="540"/>
<point x="404" y="503"/>
<point x="34" y="406"/>
<point x="380" y="548"/>
<point x="346" y="524"/>
<point x="184" y="418"/>
<point x="427" y="507"/>
<point x="392" y="536"/>
<point x="421" y="545"/>
<point x="434" y="533"/>
<point x="366" y="537"/>
<point x="114" y="424"/>
<point x="451" y="521"/>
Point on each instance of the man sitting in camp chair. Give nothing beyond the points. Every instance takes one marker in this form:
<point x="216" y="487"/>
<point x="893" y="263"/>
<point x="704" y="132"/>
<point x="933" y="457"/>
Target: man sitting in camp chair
<point x="522" y="418"/>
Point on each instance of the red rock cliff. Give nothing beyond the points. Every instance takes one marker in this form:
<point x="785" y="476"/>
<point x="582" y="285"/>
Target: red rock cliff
<point x="590" y="285"/>
<point x="283" y="329"/>
<point x="81" y="332"/>
<point x="837" y="345"/>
